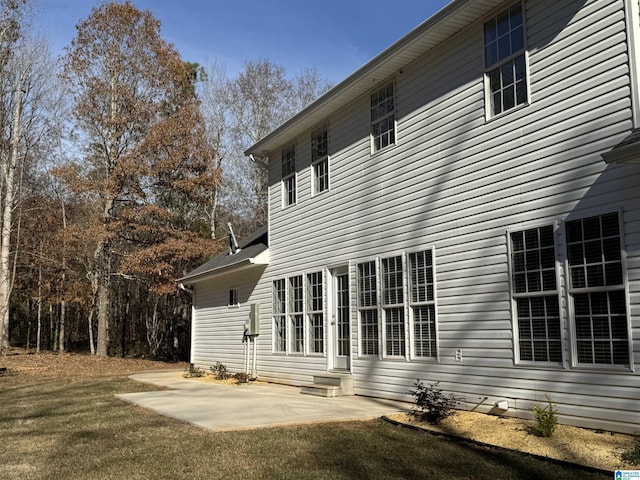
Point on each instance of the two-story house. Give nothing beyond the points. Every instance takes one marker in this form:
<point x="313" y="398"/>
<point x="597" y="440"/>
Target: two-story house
<point x="464" y="208"/>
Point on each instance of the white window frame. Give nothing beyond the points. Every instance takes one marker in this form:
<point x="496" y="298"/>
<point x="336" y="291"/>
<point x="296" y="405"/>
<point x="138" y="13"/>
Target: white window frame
<point x="369" y="308"/>
<point x="320" y="158"/>
<point x="556" y="293"/>
<point x="311" y="312"/>
<point x="388" y="116"/>
<point x="501" y="62"/>
<point x="572" y="291"/>
<point x="279" y="318"/>
<point x="387" y="306"/>
<point x="295" y="316"/>
<point x="234" y="297"/>
<point x="289" y="183"/>
<point x="413" y="304"/>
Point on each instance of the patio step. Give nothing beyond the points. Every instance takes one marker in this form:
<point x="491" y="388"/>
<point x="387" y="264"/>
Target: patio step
<point x="330" y="385"/>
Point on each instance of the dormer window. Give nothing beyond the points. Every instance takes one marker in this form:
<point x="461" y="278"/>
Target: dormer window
<point x="505" y="62"/>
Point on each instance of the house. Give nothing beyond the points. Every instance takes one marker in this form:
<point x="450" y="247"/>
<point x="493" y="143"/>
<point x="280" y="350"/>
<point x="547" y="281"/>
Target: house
<point x="464" y="208"/>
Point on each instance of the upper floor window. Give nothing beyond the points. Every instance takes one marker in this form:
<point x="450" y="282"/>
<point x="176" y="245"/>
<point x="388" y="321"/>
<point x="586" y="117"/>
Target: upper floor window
<point x="383" y="117"/>
<point x="289" y="175"/>
<point x="505" y="63"/>
<point x="233" y="297"/>
<point x="320" y="159"/>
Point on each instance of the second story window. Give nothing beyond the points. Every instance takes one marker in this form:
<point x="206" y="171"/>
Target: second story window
<point x="320" y="159"/>
<point x="383" y="117"/>
<point x="289" y="175"/>
<point x="505" y="63"/>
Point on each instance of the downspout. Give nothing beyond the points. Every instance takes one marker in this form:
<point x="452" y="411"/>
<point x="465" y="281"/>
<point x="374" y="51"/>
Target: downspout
<point x="632" y="18"/>
<point x="191" y="292"/>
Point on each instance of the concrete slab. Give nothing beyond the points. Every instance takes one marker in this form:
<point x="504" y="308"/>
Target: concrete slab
<point x="256" y="405"/>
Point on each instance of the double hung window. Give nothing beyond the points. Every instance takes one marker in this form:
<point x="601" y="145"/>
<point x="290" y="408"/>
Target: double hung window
<point x="320" y="159"/>
<point x="279" y="316"/>
<point x="596" y="284"/>
<point x="535" y="293"/>
<point x="296" y="314"/>
<point x="422" y="303"/>
<point x="393" y="306"/>
<point x="315" y="312"/>
<point x="505" y="62"/>
<point x="289" y="175"/>
<point x="368" y="308"/>
<point x="383" y="117"/>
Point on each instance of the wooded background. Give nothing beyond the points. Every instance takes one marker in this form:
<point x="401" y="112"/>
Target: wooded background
<point x="121" y="165"/>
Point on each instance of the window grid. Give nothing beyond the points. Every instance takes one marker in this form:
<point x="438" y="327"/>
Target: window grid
<point x="596" y="282"/>
<point x="320" y="158"/>
<point x="383" y="117"/>
<point x="296" y="314"/>
<point x="393" y="306"/>
<point x="289" y="175"/>
<point x="422" y="304"/>
<point x="279" y="316"/>
<point x="504" y="46"/>
<point x="315" y="312"/>
<point x="534" y="288"/>
<point x="368" y="308"/>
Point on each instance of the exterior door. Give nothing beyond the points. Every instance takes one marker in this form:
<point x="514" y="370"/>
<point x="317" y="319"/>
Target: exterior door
<point x="340" y="321"/>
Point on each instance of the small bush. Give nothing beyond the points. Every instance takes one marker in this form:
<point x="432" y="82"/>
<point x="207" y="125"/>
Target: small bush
<point x="546" y="418"/>
<point x="432" y="404"/>
<point x="241" y="377"/>
<point x="220" y="371"/>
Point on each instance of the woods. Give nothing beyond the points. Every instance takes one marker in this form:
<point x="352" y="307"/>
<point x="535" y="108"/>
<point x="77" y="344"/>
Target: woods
<point x="121" y="165"/>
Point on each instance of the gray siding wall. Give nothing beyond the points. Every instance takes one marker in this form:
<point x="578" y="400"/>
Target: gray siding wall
<point x="458" y="182"/>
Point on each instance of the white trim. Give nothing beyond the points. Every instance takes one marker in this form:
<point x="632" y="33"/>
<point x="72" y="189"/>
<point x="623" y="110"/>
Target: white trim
<point x="632" y="18"/>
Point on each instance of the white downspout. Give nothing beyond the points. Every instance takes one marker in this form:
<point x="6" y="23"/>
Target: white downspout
<point x="632" y="14"/>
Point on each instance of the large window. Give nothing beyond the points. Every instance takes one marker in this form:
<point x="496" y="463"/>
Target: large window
<point x="596" y="284"/>
<point x="368" y="308"/>
<point x="315" y="312"/>
<point x="298" y="314"/>
<point x="279" y="317"/>
<point x="320" y="159"/>
<point x="505" y="62"/>
<point x="396" y="306"/>
<point x="422" y="304"/>
<point x="383" y="117"/>
<point x="535" y="293"/>
<point x="289" y="175"/>
<point x="393" y="306"/>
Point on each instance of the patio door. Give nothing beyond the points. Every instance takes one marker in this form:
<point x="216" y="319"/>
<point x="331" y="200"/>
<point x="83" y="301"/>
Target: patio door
<point x="341" y="342"/>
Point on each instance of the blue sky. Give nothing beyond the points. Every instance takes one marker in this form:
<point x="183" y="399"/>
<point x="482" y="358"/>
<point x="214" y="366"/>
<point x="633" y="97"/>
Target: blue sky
<point x="335" y="36"/>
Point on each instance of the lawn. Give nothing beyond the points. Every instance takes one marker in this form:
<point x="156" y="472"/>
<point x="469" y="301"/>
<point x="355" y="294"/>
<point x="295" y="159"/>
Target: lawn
<point x="67" y="424"/>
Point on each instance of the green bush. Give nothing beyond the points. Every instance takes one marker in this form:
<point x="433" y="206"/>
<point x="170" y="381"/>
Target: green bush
<point x="432" y="404"/>
<point x="546" y="418"/>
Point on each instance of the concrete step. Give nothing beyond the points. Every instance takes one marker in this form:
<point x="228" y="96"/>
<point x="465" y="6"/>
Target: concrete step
<point x="330" y="385"/>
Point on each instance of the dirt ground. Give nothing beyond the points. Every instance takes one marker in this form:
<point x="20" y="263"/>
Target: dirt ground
<point x="19" y="361"/>
<point x="597" y="449"/>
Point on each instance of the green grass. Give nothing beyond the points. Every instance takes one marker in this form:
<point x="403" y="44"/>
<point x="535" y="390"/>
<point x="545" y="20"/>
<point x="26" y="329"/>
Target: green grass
<point x="65" y="428"/>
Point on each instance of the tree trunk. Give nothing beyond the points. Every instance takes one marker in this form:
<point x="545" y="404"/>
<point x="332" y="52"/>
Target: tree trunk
<point x="38" y="330"/>
<point x="92" y="348"/>
<point x="63" y="303"/>
<point x="7" y="218"/>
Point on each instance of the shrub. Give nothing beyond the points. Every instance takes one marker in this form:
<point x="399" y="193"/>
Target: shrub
<point x="241" y="377"/>
<point x="220" y="371"/>
<point x="546" y="418"/>
<point x="433" y="405"/>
